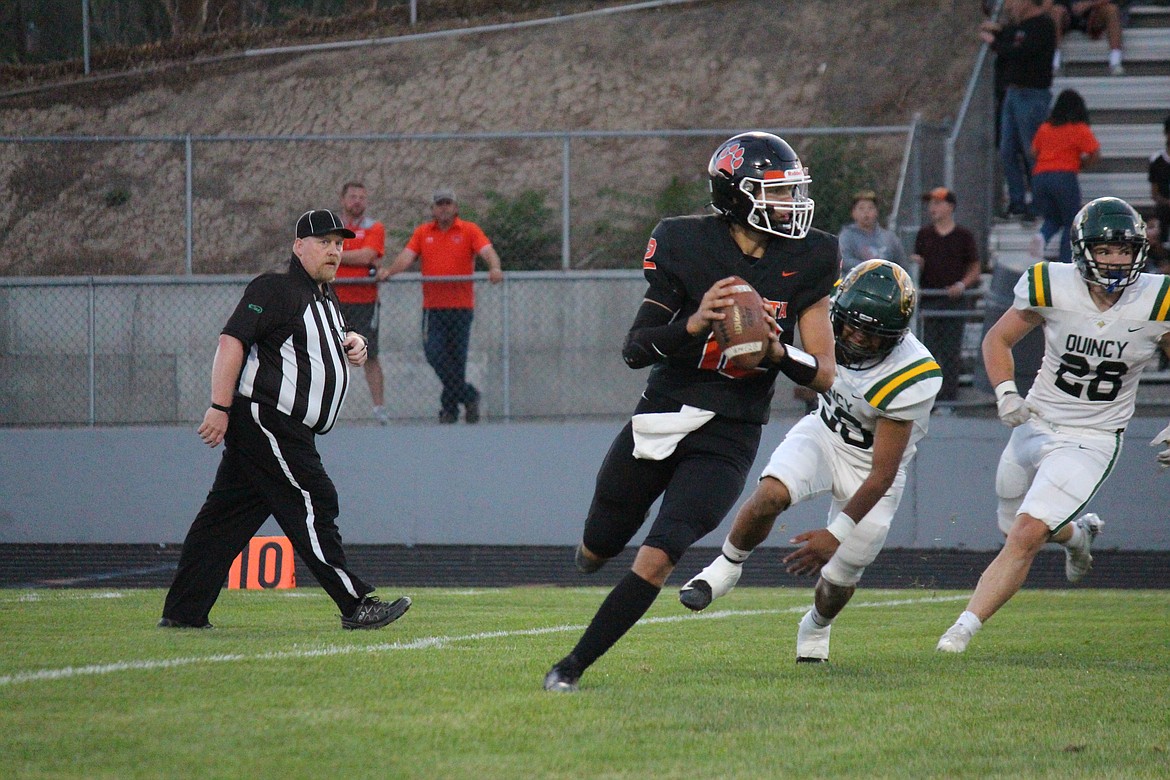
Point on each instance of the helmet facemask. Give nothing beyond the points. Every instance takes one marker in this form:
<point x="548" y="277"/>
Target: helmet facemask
<point x="780" y="203"/>
<point x="856" y="356"/>
<point x="1112" y="276"/>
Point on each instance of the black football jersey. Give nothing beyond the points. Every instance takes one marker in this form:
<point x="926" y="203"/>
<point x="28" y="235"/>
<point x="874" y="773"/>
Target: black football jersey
<point x="685" y="256"/>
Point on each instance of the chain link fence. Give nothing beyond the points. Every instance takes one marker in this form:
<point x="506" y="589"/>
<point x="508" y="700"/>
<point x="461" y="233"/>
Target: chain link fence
<point x="127" y="351"/>
<point x="543" y="345"/>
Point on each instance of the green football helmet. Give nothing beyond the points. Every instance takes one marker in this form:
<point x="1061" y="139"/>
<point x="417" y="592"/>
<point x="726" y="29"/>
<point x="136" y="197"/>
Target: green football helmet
<point x="1108" y="221"/>
<point x="876" y="298"/>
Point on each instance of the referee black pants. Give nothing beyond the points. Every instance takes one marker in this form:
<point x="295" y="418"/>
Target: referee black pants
<point x="270" y="467"/>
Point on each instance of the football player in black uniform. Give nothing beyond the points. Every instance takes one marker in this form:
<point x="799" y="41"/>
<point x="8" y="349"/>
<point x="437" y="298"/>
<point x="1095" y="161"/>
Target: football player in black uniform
<point x="696" y="429"/>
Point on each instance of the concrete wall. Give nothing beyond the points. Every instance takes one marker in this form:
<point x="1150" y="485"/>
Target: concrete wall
<point x="518" y="483"/>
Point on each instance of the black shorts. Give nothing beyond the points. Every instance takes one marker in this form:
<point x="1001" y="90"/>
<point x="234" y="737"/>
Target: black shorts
<point x="699" y="484"/>
<point x="363" y="318"/>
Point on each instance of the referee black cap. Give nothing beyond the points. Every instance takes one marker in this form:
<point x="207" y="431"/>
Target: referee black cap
<point x="321" y="222"/>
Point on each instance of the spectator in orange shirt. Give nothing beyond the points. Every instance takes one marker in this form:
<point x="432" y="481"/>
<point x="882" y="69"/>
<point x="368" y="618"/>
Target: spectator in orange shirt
<point x="360" y="257"/>
<point x="448" y="246"/>
<point x="1062" y="145"/>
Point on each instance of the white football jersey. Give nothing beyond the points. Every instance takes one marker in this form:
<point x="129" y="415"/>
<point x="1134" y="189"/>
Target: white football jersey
<point x="901" y="387"/>
<point x="1092" y="358"/>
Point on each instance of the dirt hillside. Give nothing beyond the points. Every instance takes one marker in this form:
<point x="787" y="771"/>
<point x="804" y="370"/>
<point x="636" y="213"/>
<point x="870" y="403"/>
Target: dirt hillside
<point x="118" y="208"/>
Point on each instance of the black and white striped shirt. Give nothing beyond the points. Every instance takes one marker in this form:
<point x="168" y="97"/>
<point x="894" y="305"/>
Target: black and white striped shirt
<point x="292" y="334"/>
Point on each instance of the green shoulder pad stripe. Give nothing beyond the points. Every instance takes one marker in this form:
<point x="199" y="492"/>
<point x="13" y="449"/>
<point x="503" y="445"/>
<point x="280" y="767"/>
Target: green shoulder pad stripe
<point x="1039" y="286"/>
<point x="1161" y="310"/>
<point x="880" y="395"/>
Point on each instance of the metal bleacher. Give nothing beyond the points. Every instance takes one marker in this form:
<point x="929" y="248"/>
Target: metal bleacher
<point x="1129" y="108"/>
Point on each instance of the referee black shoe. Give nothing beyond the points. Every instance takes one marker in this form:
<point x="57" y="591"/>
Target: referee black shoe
<point x="372" y="612"/>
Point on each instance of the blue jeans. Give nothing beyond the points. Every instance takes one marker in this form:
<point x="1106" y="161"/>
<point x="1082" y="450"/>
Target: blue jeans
<point x="1056" y="196"/>
<point x="1024" y="110"/>
<point x="446" y="335"/>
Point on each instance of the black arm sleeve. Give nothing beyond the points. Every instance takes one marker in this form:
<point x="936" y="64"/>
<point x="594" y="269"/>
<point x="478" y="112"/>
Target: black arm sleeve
<point x="654" y="335"/>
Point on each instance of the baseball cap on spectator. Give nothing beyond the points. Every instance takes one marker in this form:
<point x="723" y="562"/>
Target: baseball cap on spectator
<point x="443" y="193"/>
<point x="939" y="193"/>
<point x="864" y="195"/>
<point x="321" y="222"/>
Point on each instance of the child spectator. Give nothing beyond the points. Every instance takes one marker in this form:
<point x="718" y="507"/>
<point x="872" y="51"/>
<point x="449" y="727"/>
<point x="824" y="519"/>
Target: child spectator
<point x="1062" y="145"/>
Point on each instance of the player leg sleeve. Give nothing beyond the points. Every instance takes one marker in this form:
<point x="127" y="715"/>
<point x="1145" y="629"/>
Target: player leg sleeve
<point x="858" y="550"/>
<point x="1011" y="484"/>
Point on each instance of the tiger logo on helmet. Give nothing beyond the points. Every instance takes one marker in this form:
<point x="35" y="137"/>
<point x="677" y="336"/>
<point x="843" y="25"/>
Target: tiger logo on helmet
<point x="757" y="180"/>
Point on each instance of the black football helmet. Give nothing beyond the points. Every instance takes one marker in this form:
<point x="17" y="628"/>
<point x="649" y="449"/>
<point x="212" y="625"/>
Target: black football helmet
<point x="751" y="177"/>
<point x="877" y="298"/>
<point x="1108" y="221"/>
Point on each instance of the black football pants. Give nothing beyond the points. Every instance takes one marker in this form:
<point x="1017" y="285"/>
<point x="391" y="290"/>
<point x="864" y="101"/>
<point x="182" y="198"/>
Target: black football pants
<point x="699" y="485"/>
<point x="270" y="466"/>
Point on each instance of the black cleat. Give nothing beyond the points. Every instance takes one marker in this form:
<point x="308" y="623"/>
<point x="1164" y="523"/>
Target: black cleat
<point x="563" y="677"/>
<point x="585" y="564"/>
<point x="808" y="660"/>
<point x="372" y="612"/>
<point x="696" y="595"/>
<point x="169" y="623"/>
<point x="471" y="412"/>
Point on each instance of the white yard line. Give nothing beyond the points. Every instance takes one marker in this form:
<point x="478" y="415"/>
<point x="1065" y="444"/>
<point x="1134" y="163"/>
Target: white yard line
<point x="424" y="643"/>
<point x="59" y="596"/>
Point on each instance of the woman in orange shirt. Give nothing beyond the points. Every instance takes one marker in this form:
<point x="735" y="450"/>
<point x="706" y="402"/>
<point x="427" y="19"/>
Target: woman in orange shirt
<point x="1062" y="145"/>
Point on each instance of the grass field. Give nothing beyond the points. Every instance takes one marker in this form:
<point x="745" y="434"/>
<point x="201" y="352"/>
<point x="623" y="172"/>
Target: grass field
<point x="1061" y="684"/>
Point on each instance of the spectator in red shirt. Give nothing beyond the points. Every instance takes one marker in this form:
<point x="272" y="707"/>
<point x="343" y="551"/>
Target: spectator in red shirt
<point x="448" y="246"/>
<point x="1062" y="145"/>
<point x="360" y="257"/>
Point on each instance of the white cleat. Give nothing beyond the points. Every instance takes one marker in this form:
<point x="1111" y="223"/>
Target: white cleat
<point x="712" y="582"/>
<point x="954" y="640"/>
<point x="1078" y="560"/>
<point x="812" y="641"/>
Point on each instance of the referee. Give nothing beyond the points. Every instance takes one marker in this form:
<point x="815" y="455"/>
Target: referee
<point x="279" y="377"/>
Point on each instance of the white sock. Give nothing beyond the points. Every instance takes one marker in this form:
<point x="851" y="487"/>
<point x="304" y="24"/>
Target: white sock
<point x="969" y="621"/>
<point x="1114" y="57"/>
<point x="1056" y="60"/>
<point x="1075" y="539"/>
<point x="819" y="619"/>
<point x="733" y="553"/>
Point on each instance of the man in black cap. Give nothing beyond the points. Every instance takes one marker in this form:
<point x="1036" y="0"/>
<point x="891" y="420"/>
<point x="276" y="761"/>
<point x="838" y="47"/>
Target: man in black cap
<point x="949" y="258"/>
<point x="278" y="379"/>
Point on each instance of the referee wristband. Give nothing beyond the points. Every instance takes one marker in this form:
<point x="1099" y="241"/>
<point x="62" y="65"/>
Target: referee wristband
<point x="798" y="365"/>
<point x="221" y="408"/>
<point x="841" y="526"/>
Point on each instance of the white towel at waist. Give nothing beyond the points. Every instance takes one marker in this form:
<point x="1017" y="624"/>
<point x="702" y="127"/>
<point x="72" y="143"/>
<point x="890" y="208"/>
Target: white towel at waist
<point x="657" y="434"/>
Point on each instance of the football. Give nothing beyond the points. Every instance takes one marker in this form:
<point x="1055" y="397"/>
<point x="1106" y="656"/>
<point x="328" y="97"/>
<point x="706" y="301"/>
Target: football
<point x="743" y="333"/>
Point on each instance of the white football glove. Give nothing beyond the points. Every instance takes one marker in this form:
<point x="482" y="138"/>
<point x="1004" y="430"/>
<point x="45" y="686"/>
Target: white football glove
<point x="1163" y="457"/>
<point x="1010" y="405"/>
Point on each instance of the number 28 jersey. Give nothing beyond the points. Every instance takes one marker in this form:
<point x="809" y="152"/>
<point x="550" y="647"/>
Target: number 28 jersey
<point x="1092" y="358"/>
<point x="901" y="387"/>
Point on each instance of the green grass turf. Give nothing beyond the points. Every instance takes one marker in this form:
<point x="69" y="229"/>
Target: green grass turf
<point x="1059" y="684"/>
